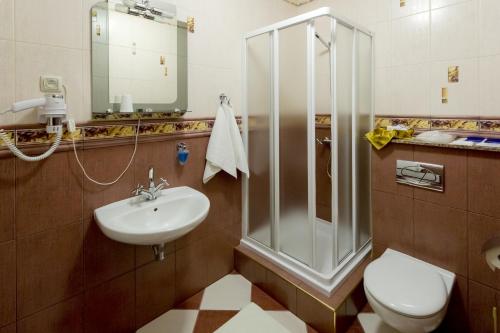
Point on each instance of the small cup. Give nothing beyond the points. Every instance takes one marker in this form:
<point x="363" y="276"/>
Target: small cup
<point x="126" y="105"/>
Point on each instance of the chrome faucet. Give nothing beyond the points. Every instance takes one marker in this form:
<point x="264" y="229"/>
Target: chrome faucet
<point x="152" y="192"/>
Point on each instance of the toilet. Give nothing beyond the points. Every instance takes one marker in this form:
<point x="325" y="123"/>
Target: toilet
<point x="408" y="294"/>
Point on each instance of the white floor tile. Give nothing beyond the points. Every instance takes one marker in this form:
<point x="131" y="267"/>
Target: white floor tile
<point x="289" y="320"/>
<point x="372" y="323"/>
<point x="232" y="292"/>
<point x="252" y="319"/>
<point x="178" y="321"/>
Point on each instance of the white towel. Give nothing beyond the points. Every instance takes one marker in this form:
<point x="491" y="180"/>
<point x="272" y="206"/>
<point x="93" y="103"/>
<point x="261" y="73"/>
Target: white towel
<point x="225" y="148"/>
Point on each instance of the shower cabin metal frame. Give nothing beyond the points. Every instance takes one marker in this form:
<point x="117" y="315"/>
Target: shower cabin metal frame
<point x="325" y="283"/>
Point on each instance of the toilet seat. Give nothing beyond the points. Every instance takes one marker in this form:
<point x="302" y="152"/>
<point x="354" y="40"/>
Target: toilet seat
<point x="405" y="286"/>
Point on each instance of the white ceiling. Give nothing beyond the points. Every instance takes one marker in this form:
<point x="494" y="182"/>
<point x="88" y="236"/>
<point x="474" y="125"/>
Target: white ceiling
<point x="298" y="2"/>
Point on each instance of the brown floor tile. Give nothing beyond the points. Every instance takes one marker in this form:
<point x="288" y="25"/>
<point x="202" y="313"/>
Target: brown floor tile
<point x="63" y="317"/>
<point x="50" y="267"/>
<point x="356" y="327"/>
<point x="192" y="303"/>
<point x="265" y="301"/>
<point x="209" y="321"/>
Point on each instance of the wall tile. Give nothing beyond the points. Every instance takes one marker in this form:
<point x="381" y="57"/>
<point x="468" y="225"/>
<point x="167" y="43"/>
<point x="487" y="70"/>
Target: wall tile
<point x="250" y="269"/>
<point x="7" y="282"/>
<point x="410" y="7"/>
<point x="481" y="301"/>
<point x="66" y="316"/>
<point x="392" y="221"/>
<point x="42" y="22"/>
<point x="281" y="290"/>
<point x="441" y="236"/>
<point x="190" y="271"/>
<point x="145" y="254"/>
<point x="33" y="60"/>
<point x="482" y="229"/>
<point x="7" y="70"/>
<point x="481" y="168"/>
<point x="410" y="90"/>
<point x="443" y="3"/>
<point x="7" y="19"/>
<point x="455" y="175"/>
<point x="160" y="155"/>
<point x="454" y="32"/>
<point x="463" y="96"/>
<point x="410" y="39"/>
<point x="105" y="164"/>
<point x="104" y="258"/>
<point x="220" y="256"/>
<point x="489" y="30"/>
<point x="489" y="99"/>
<point x="60" y="178"/>
<point x="457" y="318"/>
<point x="50" y="267"/>
<point x="7" y="198"/>
<point x="383" y="164"/>
<point x="155" y="290"/>
<point x="8" y="329"/>
<point x="314" y="313"/>
<point x="383" y="46"/>
<point x="383" y="93"/>
<point x="110" y="306"/>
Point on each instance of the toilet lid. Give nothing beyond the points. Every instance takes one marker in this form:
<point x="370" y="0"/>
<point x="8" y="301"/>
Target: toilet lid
<point x="405" y="286"/>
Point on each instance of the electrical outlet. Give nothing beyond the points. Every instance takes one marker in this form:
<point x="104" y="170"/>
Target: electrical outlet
<point x="50" y="83"/>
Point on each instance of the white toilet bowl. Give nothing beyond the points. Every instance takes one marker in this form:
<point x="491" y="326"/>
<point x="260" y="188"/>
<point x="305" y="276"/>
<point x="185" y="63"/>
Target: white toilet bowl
<point x="408" y="294"/>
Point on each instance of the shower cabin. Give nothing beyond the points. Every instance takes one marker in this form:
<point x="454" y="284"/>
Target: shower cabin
<point x="308" y="99"/>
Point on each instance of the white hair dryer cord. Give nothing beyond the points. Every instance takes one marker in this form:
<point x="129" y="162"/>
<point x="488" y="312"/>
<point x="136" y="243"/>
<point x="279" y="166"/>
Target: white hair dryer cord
<point x="27" y="158"/>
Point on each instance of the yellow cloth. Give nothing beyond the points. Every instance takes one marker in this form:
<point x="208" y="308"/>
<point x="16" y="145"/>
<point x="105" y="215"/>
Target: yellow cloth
<point x="380" y="137"/>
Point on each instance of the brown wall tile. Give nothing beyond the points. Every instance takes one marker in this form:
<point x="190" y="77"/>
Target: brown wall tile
<point x="455" y="176"/>
<point x="483" y="179"/>
<point x="456" y="318"/>
<point x="191" y="269"/>
<point x="155" y="290"/>
<point x="66" y="316"/>
<point x="7" y="282"/>
<point x="48" y="193"/>
<point x="393" y="221"/>
<point x="50" y="267"/>
<point x="104" y="258"/>
<point x="314" y="313"/>
<point x="145" y="254"/>
<point x="482" y="229"/>
<point x="441" y="236"/>
<point x="110" y="307"/>
<point x="7" y="198"/>
<point x="250" y="269"/>
<point x="159" y="155"/>
<point x="8" y="329"/>
<point x="220" y="257"/>
<point x="104" y="165"/>
<point x="281" y="290"/>
<point x="384" y="169"/>
<point x="481" y="301"/>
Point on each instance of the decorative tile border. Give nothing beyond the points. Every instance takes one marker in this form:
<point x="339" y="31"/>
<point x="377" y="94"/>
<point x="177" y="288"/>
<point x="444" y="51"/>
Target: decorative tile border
<point x="10" y="135"/>
<point x="136" y="115"/>
<point x="446" y="124"/>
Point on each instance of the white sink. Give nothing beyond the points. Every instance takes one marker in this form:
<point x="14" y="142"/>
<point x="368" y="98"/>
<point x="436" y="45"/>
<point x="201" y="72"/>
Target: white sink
<point x="173" y="214"/>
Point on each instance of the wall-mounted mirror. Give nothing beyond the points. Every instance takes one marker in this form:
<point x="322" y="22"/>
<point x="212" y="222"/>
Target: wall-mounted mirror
<point x="139" y="58"/>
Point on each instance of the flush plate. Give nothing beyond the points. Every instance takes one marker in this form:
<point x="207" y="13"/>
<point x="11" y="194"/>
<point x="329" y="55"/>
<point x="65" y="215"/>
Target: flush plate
<point x="423" y="175"/>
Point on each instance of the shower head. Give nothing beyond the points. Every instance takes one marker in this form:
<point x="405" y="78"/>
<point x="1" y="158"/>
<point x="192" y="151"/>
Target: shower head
<point x="327" y="45"/>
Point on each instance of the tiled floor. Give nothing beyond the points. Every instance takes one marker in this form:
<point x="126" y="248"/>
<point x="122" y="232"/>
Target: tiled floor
<point x="211" y="308"/>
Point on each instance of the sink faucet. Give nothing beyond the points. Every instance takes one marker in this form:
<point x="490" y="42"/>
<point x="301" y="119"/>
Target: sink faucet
<point x="152" y="192"/>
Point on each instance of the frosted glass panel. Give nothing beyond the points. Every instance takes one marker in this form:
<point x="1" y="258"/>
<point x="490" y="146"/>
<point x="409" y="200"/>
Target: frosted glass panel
<point x="344" y="110"/>
<point x="294" y="231"/>
<point x="364" y="121"/>
<point x="259" y="140"/>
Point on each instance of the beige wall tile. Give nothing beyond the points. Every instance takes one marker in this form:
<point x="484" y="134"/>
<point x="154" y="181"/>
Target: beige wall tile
<point x="33" y="60"/>
<point x="443" y="3"/>
<point x="489" y="27"/>
<point x="7" y="83"/>
<point x="489" y="98"/>
<point x="410" y="90"/>
<point x="6" y="19"/>
<point x="454" y="32"/>
<point x="410" y="39"/>
<point x="50" y="22"/>
<point x="463" y="96"/>
<point x="383" y="45"/>
<point x="411" y="7"/>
